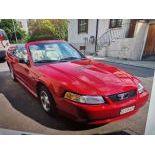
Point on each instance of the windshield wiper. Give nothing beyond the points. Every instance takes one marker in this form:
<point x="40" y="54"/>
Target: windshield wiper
<point x="69" y="58"/>
<point x="46" y="61"/>
<point x="61" y="60"/>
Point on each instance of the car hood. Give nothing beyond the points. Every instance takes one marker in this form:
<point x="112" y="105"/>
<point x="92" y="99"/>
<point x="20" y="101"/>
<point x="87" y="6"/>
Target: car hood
<point x="91" y="75"/>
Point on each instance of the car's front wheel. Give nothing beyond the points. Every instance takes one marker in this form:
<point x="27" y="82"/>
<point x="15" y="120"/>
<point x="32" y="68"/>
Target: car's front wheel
<point x="47" y="101"/>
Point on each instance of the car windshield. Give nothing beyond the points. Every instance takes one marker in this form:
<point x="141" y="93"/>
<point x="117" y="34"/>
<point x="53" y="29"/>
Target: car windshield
<point x="54" y="52"/>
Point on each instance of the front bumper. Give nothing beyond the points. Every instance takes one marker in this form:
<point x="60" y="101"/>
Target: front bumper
<point x="101" y="114"/>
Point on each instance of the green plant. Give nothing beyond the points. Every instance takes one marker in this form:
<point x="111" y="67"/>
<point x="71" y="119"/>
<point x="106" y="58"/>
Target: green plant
<point x="48" y="29"/>
<point x="13" y="30"/>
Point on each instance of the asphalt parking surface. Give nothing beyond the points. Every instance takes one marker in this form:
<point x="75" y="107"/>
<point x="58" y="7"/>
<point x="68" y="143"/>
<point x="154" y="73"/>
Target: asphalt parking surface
<point x="23" y="112"/>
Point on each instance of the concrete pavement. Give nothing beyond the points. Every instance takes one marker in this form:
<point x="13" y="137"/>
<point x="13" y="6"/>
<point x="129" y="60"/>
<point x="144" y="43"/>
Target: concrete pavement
<point x="4" y="67"/>
<point x="14" y="132"/>
<point x="13" y="120"/>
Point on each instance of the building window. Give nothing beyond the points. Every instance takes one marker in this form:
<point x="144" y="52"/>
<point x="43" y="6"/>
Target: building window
<point x="115" y="23"/>
<point x="82" y="25"/>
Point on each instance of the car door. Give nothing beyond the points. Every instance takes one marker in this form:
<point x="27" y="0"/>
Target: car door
<point x="22" y="68"/>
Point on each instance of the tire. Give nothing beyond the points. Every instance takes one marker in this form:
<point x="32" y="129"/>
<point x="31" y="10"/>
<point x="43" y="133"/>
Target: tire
<point x="12" y="74"/>
<point x="47" y="101"/>
<point x="2" y="56"/>
<point x="2" y="60"/>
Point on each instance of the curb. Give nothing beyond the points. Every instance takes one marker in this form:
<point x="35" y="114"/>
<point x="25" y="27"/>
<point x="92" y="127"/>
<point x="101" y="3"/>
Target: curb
<point x="123" y="62"/>
<point x="15" y="132"/>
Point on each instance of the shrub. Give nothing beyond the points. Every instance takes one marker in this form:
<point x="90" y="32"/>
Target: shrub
<point x="48" y="29"/>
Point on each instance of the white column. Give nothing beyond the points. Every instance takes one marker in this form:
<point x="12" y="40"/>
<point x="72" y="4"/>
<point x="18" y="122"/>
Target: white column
<point x="150" y="124"/>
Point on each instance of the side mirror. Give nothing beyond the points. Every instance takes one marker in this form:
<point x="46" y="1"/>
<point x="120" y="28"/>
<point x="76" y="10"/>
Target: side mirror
<point x="23" y="61"/>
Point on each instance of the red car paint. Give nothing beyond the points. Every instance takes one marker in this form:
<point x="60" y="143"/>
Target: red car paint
<point x="84" y="77"/>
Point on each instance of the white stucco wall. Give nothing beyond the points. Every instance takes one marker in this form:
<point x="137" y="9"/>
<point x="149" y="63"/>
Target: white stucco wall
<point x="126" y="48"/>
<point x="121" y="48"/>
<point x="103" y="26"/>
<point x="78" y="39"/>
<point x="74" y="37"/>
<point x="140" y="39"/>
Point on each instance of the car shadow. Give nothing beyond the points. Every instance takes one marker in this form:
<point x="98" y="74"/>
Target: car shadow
<point x="116" y="133"/>
<point x="24" y="102"/>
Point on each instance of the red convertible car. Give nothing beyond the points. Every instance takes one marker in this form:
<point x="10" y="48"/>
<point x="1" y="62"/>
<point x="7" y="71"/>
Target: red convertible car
<point x="66" y="81"/>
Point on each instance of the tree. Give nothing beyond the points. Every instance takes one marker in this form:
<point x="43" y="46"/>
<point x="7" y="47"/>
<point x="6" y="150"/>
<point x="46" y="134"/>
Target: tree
<point x="46" y="29"/>
<point x="11" y="27"/>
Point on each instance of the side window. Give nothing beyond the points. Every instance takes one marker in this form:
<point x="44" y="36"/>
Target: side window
<point x="115" y="23"/>
<point x="21" y="53"/>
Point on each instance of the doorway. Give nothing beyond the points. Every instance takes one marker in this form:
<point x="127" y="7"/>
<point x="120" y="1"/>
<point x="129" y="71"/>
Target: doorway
<point x="149" y="50"/>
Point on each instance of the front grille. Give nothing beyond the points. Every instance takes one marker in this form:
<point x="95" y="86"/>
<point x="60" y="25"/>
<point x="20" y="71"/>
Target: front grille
<point x="123" y="96"/>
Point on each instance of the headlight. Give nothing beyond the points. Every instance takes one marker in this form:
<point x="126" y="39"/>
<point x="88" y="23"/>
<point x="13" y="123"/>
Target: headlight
<point x="140" y="88"/>
<point x="84" y="99"/>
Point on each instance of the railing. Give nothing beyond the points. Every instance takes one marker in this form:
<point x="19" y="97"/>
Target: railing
<point x="113" y="34"/>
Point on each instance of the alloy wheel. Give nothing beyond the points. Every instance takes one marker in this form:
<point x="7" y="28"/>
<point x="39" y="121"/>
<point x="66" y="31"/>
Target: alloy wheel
<point x="12" y="73"/>
<point x="45" y="101"/>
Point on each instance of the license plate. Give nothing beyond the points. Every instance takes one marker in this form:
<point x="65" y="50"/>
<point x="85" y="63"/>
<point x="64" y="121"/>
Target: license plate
<point x="126" y="110"/>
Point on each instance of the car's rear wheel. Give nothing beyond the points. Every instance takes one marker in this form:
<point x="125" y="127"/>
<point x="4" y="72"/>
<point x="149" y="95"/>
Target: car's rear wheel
<point x="47" y="101"/>
<point x="12" y="74"/>
<point x="2" y="60"/>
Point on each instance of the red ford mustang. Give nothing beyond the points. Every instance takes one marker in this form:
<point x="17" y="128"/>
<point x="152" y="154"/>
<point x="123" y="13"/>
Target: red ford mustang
<point x="66" y="81"/>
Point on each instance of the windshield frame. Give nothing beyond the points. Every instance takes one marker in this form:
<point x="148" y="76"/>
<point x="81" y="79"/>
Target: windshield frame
<point x="82" y="56"/>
